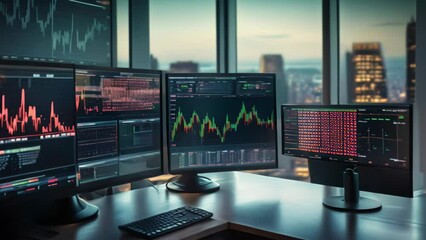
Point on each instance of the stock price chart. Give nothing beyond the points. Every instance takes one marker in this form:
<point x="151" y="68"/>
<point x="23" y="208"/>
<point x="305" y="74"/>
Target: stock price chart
<point x="229" y="121"/>
<point x="34" y="106"/>
<point x="221" y="121"/>
<point x="37" y="115"/>
<point x="71" y="31"/>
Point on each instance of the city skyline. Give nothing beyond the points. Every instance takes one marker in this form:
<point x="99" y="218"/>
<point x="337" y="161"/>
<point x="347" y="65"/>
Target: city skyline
<point x="304" y="79"/>
<point x="381" y="21"/>
<point x="291" y="28"/>
<point x="197" y="41"/>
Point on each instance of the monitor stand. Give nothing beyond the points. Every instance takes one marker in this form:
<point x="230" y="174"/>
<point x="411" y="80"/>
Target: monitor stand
<point x="192" y="183"/>
<point x="68" y="210"/>
<point x="351" y="201"/>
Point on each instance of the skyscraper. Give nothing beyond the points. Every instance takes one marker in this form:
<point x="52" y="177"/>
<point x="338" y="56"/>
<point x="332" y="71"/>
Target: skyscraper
<point x="274" y="63"/>
<point x="411" y="59"/>
<point x="184" y="67"/>
<point x="367" y="74"/>
<point x="271" y="63"/>
<point x="154" y="62"/>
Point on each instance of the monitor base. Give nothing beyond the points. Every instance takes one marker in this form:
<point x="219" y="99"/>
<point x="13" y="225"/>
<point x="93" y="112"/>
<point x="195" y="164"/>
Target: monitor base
<point x="68" y="210"/>
<point x="351" y="201"/>
<point x="192" y="183"/>
<point x="363" y="204"/>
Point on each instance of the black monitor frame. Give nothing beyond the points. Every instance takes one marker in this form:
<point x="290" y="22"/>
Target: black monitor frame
<point x="398" y="180"/>
<point x="191" y="174"/>
<point x="62" y="191"/>
<point x="110" y="182"/>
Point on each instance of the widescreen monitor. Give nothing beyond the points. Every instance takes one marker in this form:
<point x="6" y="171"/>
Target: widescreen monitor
<point x="37" y="143"/>
<point x="119" y="136"/>
<point x="343" y="143"/>
<point x="219" y="122"/>
<point x="37" y="130"/>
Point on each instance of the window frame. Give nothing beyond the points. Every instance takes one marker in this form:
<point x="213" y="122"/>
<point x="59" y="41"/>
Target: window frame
<point x="226" y="41"/>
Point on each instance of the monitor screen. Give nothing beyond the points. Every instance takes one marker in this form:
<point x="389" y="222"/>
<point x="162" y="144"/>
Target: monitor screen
<point x="377" y="139"/>
<point x="56" y="31"/>
<point x="119" y="125"/>
<point x="221" y="122"/>
<point x="37" y="129"/>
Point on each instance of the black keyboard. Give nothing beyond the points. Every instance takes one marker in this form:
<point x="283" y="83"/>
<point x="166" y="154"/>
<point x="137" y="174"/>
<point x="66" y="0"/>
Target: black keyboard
<point x="162" y="223"/>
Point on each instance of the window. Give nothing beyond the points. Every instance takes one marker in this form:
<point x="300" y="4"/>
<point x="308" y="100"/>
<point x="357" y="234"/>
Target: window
<point x="183" y="35"/>
<point x="122" y="36"/>
<point x="285" y="37"/>
<point x="377" y="51"/>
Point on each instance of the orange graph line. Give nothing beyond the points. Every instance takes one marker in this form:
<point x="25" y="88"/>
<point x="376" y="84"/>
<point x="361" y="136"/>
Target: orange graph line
<point x="18" y="124"/>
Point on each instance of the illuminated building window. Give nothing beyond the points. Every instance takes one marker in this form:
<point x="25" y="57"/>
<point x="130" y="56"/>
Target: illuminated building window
<point x="368" y="34"/>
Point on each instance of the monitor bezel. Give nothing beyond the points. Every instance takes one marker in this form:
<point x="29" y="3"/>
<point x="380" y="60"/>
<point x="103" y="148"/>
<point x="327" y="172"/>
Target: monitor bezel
<point x="218" y="168"/>
<point x="318" y="164"/>
<point x="62" y="191"/>
<point x="111" y="182"/>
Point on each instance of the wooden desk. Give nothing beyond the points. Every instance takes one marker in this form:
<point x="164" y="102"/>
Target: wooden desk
<point x="266" y="205"/>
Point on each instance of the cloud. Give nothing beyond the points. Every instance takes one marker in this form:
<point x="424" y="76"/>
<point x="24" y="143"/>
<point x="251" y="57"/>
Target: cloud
<point x="388" y="24"/>
<point x="274" y="36"/>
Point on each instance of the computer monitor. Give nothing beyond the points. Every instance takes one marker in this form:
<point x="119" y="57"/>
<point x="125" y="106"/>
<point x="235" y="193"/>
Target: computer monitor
<point x="219" y="122"/>
<point x="37" y="132"/>
<point x="77" y="32"/>
<point x="119" y="137"/>
<point x="342" y="141"/>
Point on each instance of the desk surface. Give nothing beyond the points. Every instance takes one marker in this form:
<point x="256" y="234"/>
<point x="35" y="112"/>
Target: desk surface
<point x="274" y="205"/>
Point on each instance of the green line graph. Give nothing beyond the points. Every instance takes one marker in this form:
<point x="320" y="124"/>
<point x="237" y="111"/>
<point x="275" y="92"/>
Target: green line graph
<point x="208" y="123"/>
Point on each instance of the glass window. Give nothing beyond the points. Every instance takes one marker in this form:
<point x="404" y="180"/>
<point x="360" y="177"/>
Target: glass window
<point x="122" y="33"/>
<point x="377" y="51"/>
<point x="183" y="35"/>
<point x="284" y="37"/>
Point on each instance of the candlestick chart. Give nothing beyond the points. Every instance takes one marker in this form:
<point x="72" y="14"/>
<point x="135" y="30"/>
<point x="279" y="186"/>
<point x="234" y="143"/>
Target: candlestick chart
<point x="231" y="121"/>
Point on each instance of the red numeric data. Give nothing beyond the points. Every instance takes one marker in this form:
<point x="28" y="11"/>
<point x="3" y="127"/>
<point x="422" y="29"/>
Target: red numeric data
<point x="368" y="135"/>
<point x="327" y="132"/>
<point x="103" y="92"/>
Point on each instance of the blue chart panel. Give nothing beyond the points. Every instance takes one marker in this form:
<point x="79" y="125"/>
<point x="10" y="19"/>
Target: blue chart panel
<point x="72" y="31"/>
